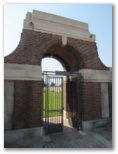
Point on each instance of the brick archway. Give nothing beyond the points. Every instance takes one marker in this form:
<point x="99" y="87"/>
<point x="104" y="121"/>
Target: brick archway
<point x="71" y="43"/>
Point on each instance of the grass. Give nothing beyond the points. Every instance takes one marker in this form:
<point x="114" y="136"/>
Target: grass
<point x="52" y="104"/>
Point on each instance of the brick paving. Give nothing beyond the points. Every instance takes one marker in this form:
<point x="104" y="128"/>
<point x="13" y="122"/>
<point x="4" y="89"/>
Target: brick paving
<point x="71" y="138"/>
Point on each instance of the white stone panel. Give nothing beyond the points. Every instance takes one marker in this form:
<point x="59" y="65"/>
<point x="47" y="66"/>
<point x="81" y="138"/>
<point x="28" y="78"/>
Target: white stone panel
<point x="105" y="100"/>
<point x="58" y="19"/>
<point x="64" y="40"/>
<point x="8" y="104"/>
<point x="22" y="72"/>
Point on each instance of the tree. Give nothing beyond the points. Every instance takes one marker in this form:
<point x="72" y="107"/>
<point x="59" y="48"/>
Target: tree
<point x="52" y="84"/>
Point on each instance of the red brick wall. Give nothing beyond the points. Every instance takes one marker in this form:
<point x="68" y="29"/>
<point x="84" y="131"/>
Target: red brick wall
<point x="33" y="46"/>
<point x="88" y="53"/>
<point x="91" y="100"/>
<point x="27" y="104"/>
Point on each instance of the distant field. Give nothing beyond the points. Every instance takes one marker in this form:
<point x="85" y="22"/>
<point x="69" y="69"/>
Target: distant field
<point x="53" y="104"/>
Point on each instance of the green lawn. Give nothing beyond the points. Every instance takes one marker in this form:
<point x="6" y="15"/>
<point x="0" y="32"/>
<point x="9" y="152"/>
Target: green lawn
<point x="53" y="104"/>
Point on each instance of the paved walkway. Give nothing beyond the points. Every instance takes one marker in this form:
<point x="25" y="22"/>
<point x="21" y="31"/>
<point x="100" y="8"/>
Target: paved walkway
<point x="71" y="138"/>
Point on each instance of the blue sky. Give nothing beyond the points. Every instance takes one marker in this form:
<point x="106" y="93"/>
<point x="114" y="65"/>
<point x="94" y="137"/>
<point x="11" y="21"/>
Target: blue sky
<point x="98" y="16"/>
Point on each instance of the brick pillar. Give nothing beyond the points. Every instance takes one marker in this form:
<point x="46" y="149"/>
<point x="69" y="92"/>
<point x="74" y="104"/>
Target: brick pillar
<point x="27" y="104"/>
<point x="91" y="100"/>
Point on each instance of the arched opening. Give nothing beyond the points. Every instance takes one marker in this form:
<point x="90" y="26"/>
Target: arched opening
<point x="54" y="94"/>
<point x="51" y="64"/>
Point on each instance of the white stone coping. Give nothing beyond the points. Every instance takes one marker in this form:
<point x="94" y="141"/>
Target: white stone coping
<point x="89" y="75"/>
<point x="53" y="24"/>
<point x="22" y="72"/>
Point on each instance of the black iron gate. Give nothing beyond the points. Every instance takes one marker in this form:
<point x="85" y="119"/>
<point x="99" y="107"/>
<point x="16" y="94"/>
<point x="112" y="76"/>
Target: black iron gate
<point x="74" y="101"/>
<point x="52" y="103"/>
